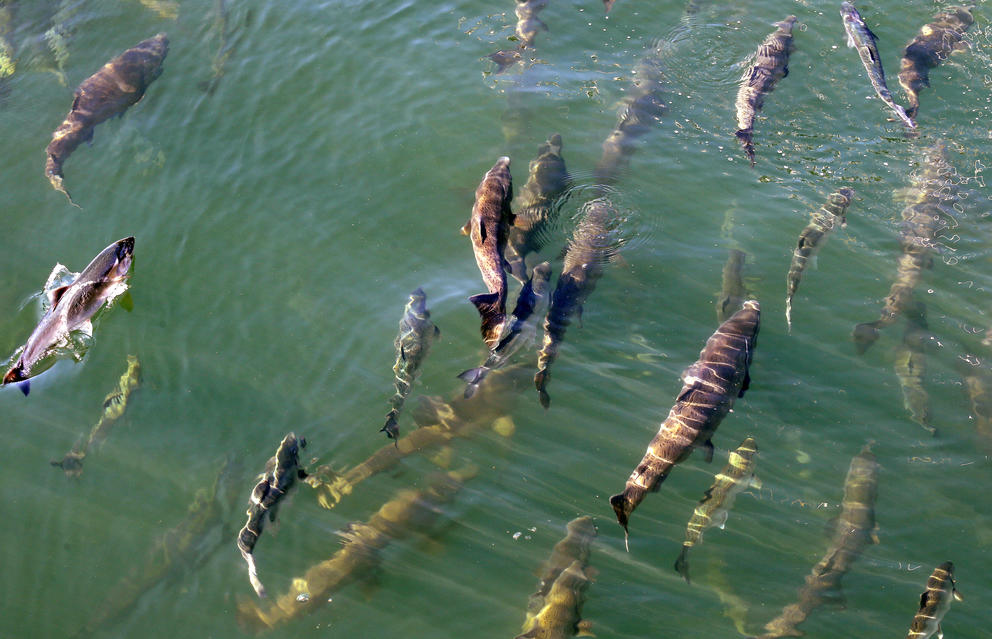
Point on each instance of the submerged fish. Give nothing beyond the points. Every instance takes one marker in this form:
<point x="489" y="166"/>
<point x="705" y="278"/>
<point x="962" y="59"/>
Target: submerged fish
<point x="812" y="238"/>
<point x="585" y="257"/>
<point x="860" y="37"/>
<point x="536" y="206"/>
<point x="853" y="530"/>
<point x="911" y="366"/>
<point x="72" y="306"/>
<point x="438" y="423"/>
<point x="978" y="384"/>
<point x="709" y="388"/>
<point x="413" y="343"/>
<point x="934" y="603"/>
<point x="114" y="405"/>
<point x="771" y="64"/>
<point x="713" y="508"/>
<point x="488" y="228"/>
<point x="561" y="615"/>
<point x="409" y="513"/>
<point x="280" y="473"/>
<point x="110" y="91"/>
<point x="931" y="46"/>
<point x="520" y="332"/>
<point x="580" y="533"/>
<point x="922" y="220"/>
<point x="528" y="26"/>
<point x="733" y="293"/>
<point x="640" y="110"/>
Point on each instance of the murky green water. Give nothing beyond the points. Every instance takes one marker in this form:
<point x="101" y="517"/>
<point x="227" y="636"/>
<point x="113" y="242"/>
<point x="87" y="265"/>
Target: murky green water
<point x="282" y="217"/>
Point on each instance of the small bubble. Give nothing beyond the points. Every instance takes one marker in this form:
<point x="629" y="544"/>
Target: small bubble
<point x="516" y="535"/>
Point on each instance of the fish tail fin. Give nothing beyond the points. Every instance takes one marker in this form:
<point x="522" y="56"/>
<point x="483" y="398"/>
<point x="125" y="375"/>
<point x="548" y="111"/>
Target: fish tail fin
<point x="744" y="135"/>
<point x="788" y="313"/>
<point x="682" y="564"/>
<point x="473" y="377"/>
<point x="864" y="336"/>
<point x="619" y="503"/>
<point x="391" y="428"/>
<point x="56" y="181"/>
<point x="541" y="383"/>
<point x="253" y="574"/>
<point x="493" y="316"/>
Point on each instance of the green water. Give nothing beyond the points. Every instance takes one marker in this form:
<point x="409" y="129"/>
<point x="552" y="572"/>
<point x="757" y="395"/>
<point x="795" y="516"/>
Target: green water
<point x="282" y="219"/>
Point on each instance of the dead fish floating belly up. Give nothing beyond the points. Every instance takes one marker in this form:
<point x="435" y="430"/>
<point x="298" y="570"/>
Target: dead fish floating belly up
<point x="771" y="64"/>
<point x="281" y="471"/>
<point x="108" y="92"/>
<point x="812" y="238"/>
<point x="114" y="405"/>
<point x="712" y="510"/>
<point x="931" y="46"/>
<point x="488" y="228"/>
<point x="860" y="37"/>
<point x="72" y="306"/>
<point x="710" y="386"/>
<point x="520" y="332"/>
<point x="413" y="343"/>
<point x="934" y="603"/>
<point x="586" y="255"/>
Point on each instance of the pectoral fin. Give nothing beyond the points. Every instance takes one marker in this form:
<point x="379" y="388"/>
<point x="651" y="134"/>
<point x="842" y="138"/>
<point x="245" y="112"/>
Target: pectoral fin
<point x="708" y="451"/>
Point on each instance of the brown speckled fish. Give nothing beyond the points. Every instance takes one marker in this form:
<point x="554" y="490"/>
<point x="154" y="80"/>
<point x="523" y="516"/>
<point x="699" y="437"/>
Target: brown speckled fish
<point x="931" y="46"/>
<point x="771" y="64"/>
<point x="710" y="386"/>
<point x="110" y="91"/>
<point x="934" y="603"/>
<point x="488" y="229"/>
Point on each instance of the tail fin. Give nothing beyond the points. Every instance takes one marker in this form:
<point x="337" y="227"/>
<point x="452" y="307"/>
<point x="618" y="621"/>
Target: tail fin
<point x="474" y="377"/>
<point x="541" y="382"/>
<point x="744" y="135"/>
<point x="682" y="564"/>
<point x="493" y="315"/>
<point x="864" y="336"/>
<point x="17" y="374"/>
<point x="619" y="503"/>
<point x="788" y="313"/>
<point x="253" y="574"/>
<point x="391" y="428"/>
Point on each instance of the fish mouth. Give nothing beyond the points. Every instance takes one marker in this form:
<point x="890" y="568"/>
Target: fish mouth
<point x="125" y="254"/>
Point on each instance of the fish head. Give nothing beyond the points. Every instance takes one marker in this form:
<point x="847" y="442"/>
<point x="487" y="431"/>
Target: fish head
<point x="418" y="303"/>
<point x="112" y="264"/>
<point x="289" y="450"/>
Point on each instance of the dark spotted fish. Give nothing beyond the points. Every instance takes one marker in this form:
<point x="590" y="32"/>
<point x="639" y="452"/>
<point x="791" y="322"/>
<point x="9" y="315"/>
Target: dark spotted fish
<point x="108" y="92"/>
<point x="853" y="530"/>
<point x="771" y="64"/>
<point x="931" y="46"/>
<point x="114" y="405"/>
<point x="561" y="615"/>
<point x="281" y="471"/>
<point x="713" y="509"/>
<point x="640" y="110"/>
<point x="733" y="292"/>
<point x="520" y="333"/>
<point x="814" y="236"/>
<point x="922" y="221"/>
<point x="860" y="37"/>
<point x="911" y="366"/>
<point x="709" y="388"/>
<point x="413" y="343"/>
<point x="488" y="228"/>
<point x="72" y="306"/>
<point x="410" y="513"/>
<point x="934" y="603"/>
<point x="536" y="206"/>
<point x="586" y="255"/>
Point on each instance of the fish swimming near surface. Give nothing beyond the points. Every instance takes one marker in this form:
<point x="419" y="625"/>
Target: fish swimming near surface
<point x="733" y="292"/>
<point x="934" y="603"/>
<point x="860" y="37"/>
<point x="413" y="343"/>
<point x="931" y="46"/>
<point x="771" y="64"/>
<point x="712" y="510"/>
<point x="922" y="220"/>
<point x="709" y="388"/>
<point x="181" y="548"/>
<point x="108" y="92"/>
<point x="593" y="243"/>
<point x="410" y="513"/>
<point x="528" y="26"/>
<point x="813" y="237"/>
<point x="561" y="614"/>
<point x="488" y="228"/>
<point x="580" y="533"/>
<point x="281" y="471"/>
<point x="520" y="332"/>
<point x="537" y="206"/>
<point x="911" y="366"/>
<point x="72" y="306"/>
<point x="608" y="4"/>
<point x="114" y="405"/>
<point x="642" y="107"/>
<point x="853" y="530"/>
